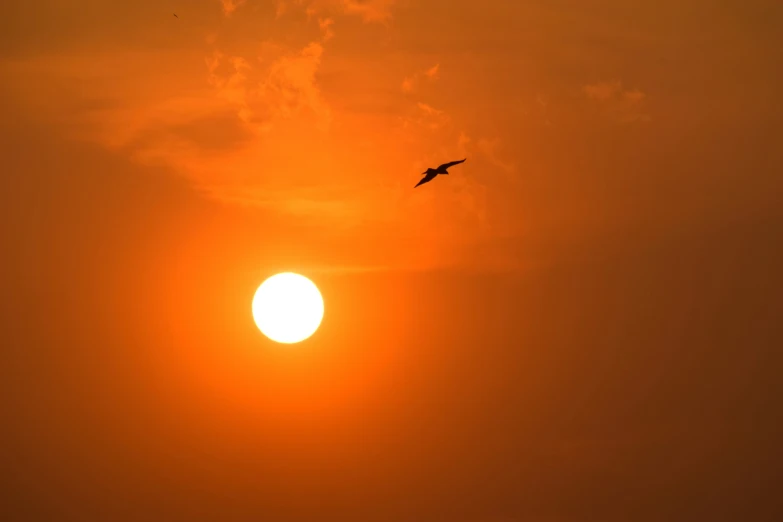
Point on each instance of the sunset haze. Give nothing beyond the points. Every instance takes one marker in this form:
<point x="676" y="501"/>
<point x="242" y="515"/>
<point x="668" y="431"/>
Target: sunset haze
<point x="582" y="322"/>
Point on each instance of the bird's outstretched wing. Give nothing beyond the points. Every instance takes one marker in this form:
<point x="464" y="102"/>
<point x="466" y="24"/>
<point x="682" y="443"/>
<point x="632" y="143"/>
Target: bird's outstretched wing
<point x="450" y="164"/>
<point x="425" y="179"/>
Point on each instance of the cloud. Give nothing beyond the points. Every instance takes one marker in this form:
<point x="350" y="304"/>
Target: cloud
<point x="489" y="149"/>
<point x="377" y="11"/>
<point x="282" y="7"/>
<point x="603" y="91"/>
<point x="229" y="6"/>
<point x="220" y="131"/>
<point x="231" y="85"/>
<point x="370" y="10"/>
<point x="432" y="72"/>
<point x="431" y="117"/>
<point x="625" y="105"/>
<point x="235" y="123"/>
<point x="634" y="96"/>
<point x="290" y="86"/>
<point x="326" y="28"/>
<point x="410" y="83"/>
<point x="429" y="109"/>
<point x="286" y="88"/>
<point x="462" y="142"/>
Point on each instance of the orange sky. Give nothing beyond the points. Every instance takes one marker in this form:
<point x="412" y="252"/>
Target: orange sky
<point x="581" y="323"/>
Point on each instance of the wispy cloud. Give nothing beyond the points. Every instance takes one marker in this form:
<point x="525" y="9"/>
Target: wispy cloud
<point x="282" y="7"/>
<point x="432" y="72"/>
<point x="429" y="110"/>
<point x="290" y="85"/>
<point x="603" y="91"/>
<point x="411" y="83"/>
<point x="326" y="28"/>
<point x="285" y="88"/>
<point x="431" y="117"/>
<point x="463" y="140"/>
<point x="229" y="6"/>
<point x="371" y="11"/>
<point x="489" y="149"/>
<point x="627" y="105"/>
<point x="231" y="85"/>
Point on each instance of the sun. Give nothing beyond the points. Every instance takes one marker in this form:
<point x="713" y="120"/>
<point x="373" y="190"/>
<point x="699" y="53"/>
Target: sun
<point x="288" y="308"/>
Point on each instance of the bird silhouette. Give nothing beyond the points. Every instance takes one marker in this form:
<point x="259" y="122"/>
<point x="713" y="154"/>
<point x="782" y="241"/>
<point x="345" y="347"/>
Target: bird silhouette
<point x="430" y="173"/>
<point x="175" y="15"/>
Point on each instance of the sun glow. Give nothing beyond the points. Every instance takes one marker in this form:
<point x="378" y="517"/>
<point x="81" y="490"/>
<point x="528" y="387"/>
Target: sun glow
<point x="288" y="308"/>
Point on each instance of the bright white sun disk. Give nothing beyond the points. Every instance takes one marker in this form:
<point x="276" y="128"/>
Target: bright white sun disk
<point x="288" y="308"/>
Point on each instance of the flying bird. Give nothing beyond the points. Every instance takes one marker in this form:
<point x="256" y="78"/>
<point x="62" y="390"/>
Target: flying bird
<point x="430" y="173"/>
<point x="175" y="15"/>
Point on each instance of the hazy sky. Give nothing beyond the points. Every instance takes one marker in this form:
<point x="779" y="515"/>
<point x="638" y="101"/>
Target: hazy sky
<point x="583" y="322"/>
